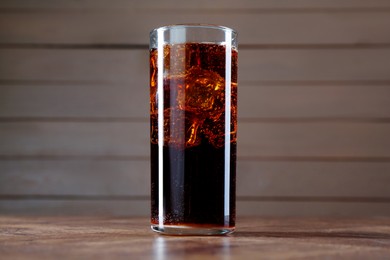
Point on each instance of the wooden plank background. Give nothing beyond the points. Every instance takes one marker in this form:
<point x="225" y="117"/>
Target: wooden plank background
<point x="314" y="104"/>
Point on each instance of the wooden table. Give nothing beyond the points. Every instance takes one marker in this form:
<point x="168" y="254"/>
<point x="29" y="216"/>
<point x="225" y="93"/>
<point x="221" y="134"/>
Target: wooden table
<point x="131" y="238"/>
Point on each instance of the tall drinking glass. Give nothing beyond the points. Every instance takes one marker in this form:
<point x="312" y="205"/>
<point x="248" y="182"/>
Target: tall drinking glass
<point x="193" y="129"/>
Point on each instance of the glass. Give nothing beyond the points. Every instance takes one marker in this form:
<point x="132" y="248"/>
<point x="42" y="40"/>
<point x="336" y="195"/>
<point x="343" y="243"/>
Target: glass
<point x="193" y="129"/>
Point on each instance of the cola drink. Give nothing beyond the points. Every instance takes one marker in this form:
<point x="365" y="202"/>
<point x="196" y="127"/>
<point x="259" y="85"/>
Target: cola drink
<point x="193" y="166"/>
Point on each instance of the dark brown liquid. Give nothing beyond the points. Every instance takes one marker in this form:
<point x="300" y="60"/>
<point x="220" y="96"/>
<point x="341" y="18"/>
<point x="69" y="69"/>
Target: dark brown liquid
<point x="197" y="166"/>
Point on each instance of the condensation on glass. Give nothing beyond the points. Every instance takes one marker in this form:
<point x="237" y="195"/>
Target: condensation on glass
<point x="193" y="129"/>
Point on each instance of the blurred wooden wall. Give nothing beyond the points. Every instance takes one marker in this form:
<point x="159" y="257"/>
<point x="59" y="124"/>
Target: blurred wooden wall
<point x="314" y="104"/>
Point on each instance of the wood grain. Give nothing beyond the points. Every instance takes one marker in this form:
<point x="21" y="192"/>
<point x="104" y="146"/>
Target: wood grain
<point x="312" y="208"/>
<point x="315" y="139"/>
<point x="255" y="180"/>
<point x="255" y="139"/>
<point x="75" y="207"/>
<point x="125" y="101"/>
<point x="169" y="4"/>
<point x="121" y="238"/>
<point x="131" y="66"/>
<point x="141" y="207"/>
<point x="56" y="100"/>
<point x="118" y="21"/>
<point x="311" y="101"/>
<point x="314" y="107"/>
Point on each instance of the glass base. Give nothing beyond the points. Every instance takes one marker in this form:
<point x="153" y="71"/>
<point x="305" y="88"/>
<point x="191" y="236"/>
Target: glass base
<point x="191" y="231"/>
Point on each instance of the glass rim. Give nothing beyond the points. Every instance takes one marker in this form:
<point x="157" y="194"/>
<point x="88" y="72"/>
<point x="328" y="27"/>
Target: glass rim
<point x="195" y="25"/>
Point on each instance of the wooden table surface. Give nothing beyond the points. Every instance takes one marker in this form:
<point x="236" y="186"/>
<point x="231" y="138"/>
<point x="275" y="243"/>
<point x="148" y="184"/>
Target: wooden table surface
<point x="28" y="237"/>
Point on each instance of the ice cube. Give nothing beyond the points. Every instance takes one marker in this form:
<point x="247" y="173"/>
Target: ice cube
<point x="202" y="91"/>
<point x="181" y="129"/>
<point x="153" y="69"/>
<point x="214" y="129"/>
